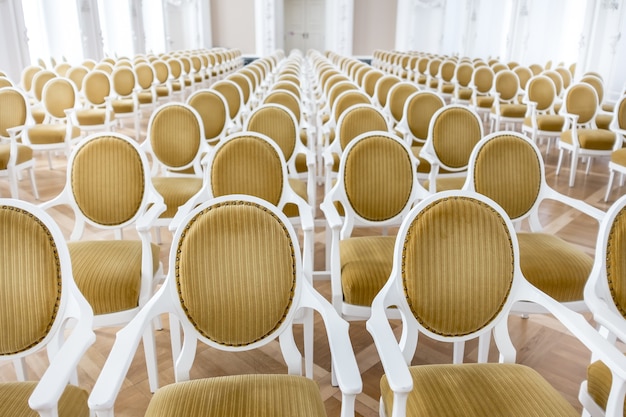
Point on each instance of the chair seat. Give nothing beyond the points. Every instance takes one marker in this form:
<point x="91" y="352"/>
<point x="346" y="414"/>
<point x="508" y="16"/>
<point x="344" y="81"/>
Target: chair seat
<point x="478" y="390"/>
<point x="301" y="165"/>
<point x="603" y="121"/>
<point x="595" y="139"/>
<point x="123" y="106"/>
<point x="108" y="272"/>
<point x="299" y="187"/>
<point x="14" y="400"/>
<point x="484" y="101"/>
<point x="162" y="91"/>
<point x="447" y="183"/>
<point x="599" y="381"/>
<point x="240" y="395"/>
<point x="554" y="266"/>
<point x="447" y="88"/>
<point x="24" y="153"/>
<point x="464" y="93"/>
<point x="512" y="110"/>
<point x="145" y="98"/>
<point x="48" y="134"/>
<point x="547" y="123"/>
<point x="365" y="267"/>
<point x="176" y="191"/>
<point x="619" y="156"/>
<point x="92" y="117"/>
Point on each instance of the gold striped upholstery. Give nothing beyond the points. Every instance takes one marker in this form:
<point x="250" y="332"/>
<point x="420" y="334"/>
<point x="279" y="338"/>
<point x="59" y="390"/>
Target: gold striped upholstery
<point x="285" y="99"/>
<point x="60" y="95"/>
<point x="444" y="265"/>
<point x="175" y="135"/>
<point x="455" y="133"/>
<point x="14" y="400"/>
<point x="96" y="87"/>
<point x="239" y="395"/>
<point x="419" y="112"/>
<point x="598" y="139"/>
<point x="299" y="187"/>
<point x="235" y="273"/>
<point x="123" y="106"/>
<point x="176" y="191"/>
<point x="349" y="99"/>
<point x="30" y="292"/>
<point x="278" y="125"/>
<point x="92" y="117"/>
<point x="108" y="272"/>
<point x="108" y="180"/>
<point x="357" y="121"/>
<point x="24" y="153"/>
<point x="583" y="101"/>
<point x="479" y="390"/>
<point x="242" y="81"/>
<point x="616" y="262"/>
<point x="14" y="110"/>
<point x="599" y="379"/>
<point x="619" y="156"/>
<point x="547" y="122"/>
<point x="378" y="178"/>
<point x="365" y="267"/>
<point x="247" y="165"/>
<point x="212" y="110"/>
<point x="506" y="165"/>
<point x="50" y="133"/>
<point x="231" y="94"/>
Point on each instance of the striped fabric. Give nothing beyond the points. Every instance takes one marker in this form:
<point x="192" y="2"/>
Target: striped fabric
<point x="241" y="395"/>
<point x="598" y="139"/>
<point x="60" y="95"/>
<point x="556" y="267"/>
<point x="357" y="121"/>
<point x="247" y="165"/>
<point x="277" y="124"/>
<point x="14" y="400"/>
<point x="583" y="101"/>
<point x="243" y="83"/>
<point x="300" y="188"/>
<point x="175" y="136"/>
<point x="479" y="390"/>
<point x="212" y="110"/>
<point x="398" y="98"/>
<point x="108" y="272"/>
<point x="235" y="273"/>
<point x="616" y="262"/>
<point x="176" y="191"/>
<point x="547" y="122"/>
<point x="599" y="379"/>
<point x="108" y="181"/>
<point x="457" y="266"/>
<point x="419" y="112"/>
<point x="24" y="153"/>
<point x="13" y="111"/>
<point x="30" y="289"/>
<point x="455" y="133"/>
<point x="42" y="134"/>
<point x="378" y="178"/>
<point x="231" y="94"/>
<point x="508" y="171"/>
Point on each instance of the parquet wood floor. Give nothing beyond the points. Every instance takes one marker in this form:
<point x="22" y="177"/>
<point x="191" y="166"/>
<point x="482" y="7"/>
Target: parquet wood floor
<point x="542" y="343"/>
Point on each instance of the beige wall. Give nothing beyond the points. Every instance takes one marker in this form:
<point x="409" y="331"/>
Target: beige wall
<point x="232" y="24"/>
<point x="374" y="25"/>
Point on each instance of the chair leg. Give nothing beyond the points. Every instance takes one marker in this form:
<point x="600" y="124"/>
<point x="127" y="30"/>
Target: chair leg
<point x="175" y="339"/>
<point x="307" y="330"/>
<point x="558" y="164"/>
<point x="608" y="186"/>
<point x="588" y="165"/>
<point x="149" y="348"/>
<point x="459" y="352"/>
<point x="20" y="369"/>
<point x="34" y="184"/>
<point x="573" y="166"/>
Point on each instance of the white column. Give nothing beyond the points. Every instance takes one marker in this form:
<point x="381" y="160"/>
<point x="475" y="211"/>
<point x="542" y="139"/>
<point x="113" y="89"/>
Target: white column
<point x="340" y="26"/>
<point x="14" y="54"/>
<point x="265" y="19"/>
<point x="404" y="23"/>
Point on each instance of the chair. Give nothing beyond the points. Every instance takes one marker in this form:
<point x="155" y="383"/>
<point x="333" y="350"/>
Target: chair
<point x="96" y="113"/>
<point x="508" y="168"/>
<point x="397" y="97"/>
<point x="506" y="108"/>
<point x="146" y="87"/>
<point x="419" y="108"/>
<point x="163" y="86"/>
<point x="376" y="187"/>
<point x="222" y="247"/>
<point x="605" y="112"/>
<point x="458" y="289"/>
<point x="482" y="85"/>
<point x="462" y="84"/>
<point x="42" y="310"/>
<point x="446" y="85"/>
<point x="542" y="120"/>
<point x="213" y="109"/>
<point x="125" y="102"/>
<point x="604" y="295"/>
<point x="381" y="92"/>
<point x="233" y="95"/>
<point x="108" y="188"/>
<point x="618" y="156"/>
<point x="177" y="143"/>
<point x="453" y="132"/>
<point x="580" y="136"/>
<point x="56" y="132"/>
<point x="15" y="157"/>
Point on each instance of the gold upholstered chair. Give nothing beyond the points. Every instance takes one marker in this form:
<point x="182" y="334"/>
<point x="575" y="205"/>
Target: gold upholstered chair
<point x="41" y="308"/>
<point x="617" y="164"/>
<point x="376" y="187"/>
<point x="453" y="132"/>
<point x="381" y="91"/>
<point x="397" y="97"/>
<point x="459" y="289"/>
<point x="55" y="133"/>
<point x="416" y="115"/>
<point x="236" y="284"/>
<point x="213" y="109"/>
<point x="234" y="96"/>
<point x="542" y="121"/>
<point x="604" y="294"/>
<point x="108" y="188"/>
<point x="508" y="168"/>
<point x="581" y="138"/>
<point x="125" y="102"/>
<point x="95" y="114"/>
<point x="482" y="84"/>
<point x="177" y="144"/>
<point x="14" y="156"/>
<point x="462" y="81"/>
<point x="506" y="108"/>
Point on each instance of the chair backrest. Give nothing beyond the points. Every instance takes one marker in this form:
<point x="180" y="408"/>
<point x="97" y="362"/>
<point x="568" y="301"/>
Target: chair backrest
<point x="176" y="136"/>
<point x="619" y="117"/>
<point x="59" y="94"/>
<point x="278" y="123"/>
<point x="15" y="110"/>
<point x="124" y="81"/>
<point x="419" y="110"/>
<point x="40" y="79"/>
<point x="463" y="74"/>
<point x="287" y="99"/>
<point x="145" y="76"/>
<point x="556" y="79"/>
<point x="541" y="90"/>
<point x="397" y="97"/>
<point x="287" y="85"/>
<point x="383" y="85"/>
<point x="337" y="89"/>
<point x="348" y="99"/>
<point x="524" y="74"/>
<point x="213" y="109"/>
<point x="161" y="71"/>
<point x="377" y="173"/>
<point x="233" y="95"/>
<point x="482" y="80"/>
<point x="77" y="74"/>
<point x="5" y="82"/>
<point x="506" y="84"/>
<point x="370" y="80"/>
<point x="566" y="76"/>
<point x="581" y="99"/>
<point x="244" y="83"/>
<point x="508" y="168"/>
<point x="358" y="119"/>
<point x="27" y="75"/>
<point x="96" y="87"/>
<point x="453" y="132"/>
<point x="597" y="84"/>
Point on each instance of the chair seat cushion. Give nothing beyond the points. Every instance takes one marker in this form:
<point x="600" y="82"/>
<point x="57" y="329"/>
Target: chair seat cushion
<point x="176" y="191"/>
<point x="596" y="139"/>
<point x="162" y="91"/>
<point x="619" y="156"/>
<point x="239" y="395"/>
<point x="447" y="183"/>
<point x="48" y="134"/>
<point x="123" y="106"/>
<point x="603" y="121"/>
<point x="513" y="110"/>
<point x="108" y="272"/>
<point x="301" y="165"/>
<point x="14" y="400"/>
<point x="24" y="153"/>
<point x="365" y="267"/>
<point x="484" y="101"/>
<point x="299" y="187"/>
<point x="145" y="98"/>
<point x="548" y="122"/>
<point x="478" y="390"/>
<point x="447" y="88"/>
<point x="554" y="266"/>
<point x="464" y="93"/>
<point x="599" y="381"/>
<point x="92" y="117"/>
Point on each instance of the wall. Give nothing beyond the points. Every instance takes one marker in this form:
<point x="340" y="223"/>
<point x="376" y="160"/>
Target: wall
<point x="374" y="25"/>
<point x="232" y="24"/>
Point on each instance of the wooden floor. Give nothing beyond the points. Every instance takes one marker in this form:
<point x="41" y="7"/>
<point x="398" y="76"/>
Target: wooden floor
<point x="541" y="342"/>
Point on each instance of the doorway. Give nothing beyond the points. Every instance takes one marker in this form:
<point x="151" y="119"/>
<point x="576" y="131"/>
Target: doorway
<point x="305" y="24"/>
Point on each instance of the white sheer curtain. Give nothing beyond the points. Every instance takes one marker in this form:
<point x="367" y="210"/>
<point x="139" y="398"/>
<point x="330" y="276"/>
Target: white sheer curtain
<point x="153" y="23"/>
<point x="117" y="32"/>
